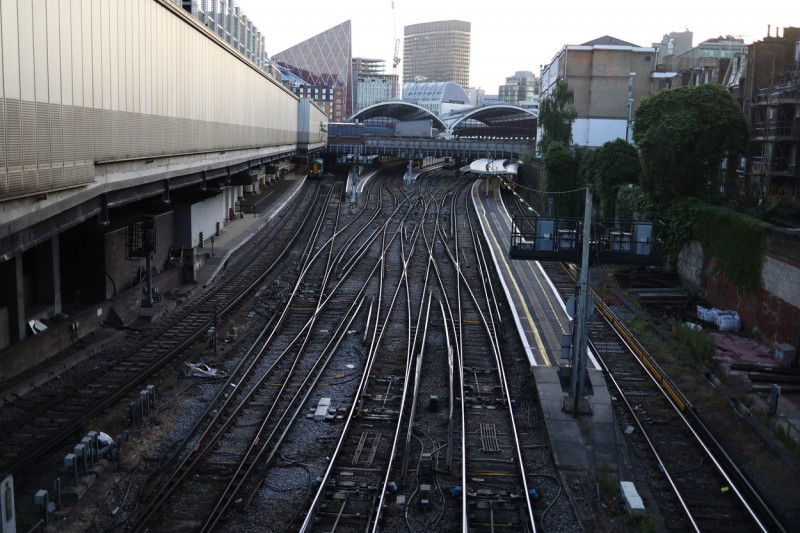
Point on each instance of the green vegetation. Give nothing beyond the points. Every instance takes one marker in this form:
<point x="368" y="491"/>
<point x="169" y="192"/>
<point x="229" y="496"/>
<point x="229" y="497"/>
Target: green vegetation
<point x="683" y="135"/>
<point x="735" y="241"/>
<point x="556" y="115"/>
<point x="783" y="433"/>
<point x="696" y="340"/>
<point x="672" y="174"/>
<point x="645" y="523"/>
<point x="608" y="483"/>
<point x="646" y="335"/>
<point x="611" y="169"/>
<point x="785" y="209"/>
<point x="560" y="174"/>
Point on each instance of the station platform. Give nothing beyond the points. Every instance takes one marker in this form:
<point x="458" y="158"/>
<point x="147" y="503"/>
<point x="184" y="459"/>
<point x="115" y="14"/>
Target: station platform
<point x="591" y="440"/>
<point x="38" y="359"/>
<point x="260" y="209"/>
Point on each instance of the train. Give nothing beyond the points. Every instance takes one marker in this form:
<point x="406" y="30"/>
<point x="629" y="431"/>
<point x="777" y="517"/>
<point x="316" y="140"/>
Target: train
<point x="449" y="162"/>
<point x="507" y="184"/>
<point x="316" y="169"/>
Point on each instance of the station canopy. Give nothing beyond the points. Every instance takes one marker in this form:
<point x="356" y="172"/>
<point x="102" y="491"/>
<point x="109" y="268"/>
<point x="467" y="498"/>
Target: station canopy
<point x="398" y="110"/>
<point x="499" y="121"/>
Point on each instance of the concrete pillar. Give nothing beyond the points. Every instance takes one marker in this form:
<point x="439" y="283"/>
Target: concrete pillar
<point x="56" y="275"/>
<point x="21" y="324"/>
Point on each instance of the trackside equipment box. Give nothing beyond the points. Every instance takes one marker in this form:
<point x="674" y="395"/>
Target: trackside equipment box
<point x="631" y="500"/>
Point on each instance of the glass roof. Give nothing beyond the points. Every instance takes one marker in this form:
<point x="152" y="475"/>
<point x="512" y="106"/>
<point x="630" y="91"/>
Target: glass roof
<point x="435" y="91"/>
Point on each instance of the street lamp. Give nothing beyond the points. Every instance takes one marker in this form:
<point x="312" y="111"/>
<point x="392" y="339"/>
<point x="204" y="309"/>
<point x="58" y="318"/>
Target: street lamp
<point x="630" y="106"/>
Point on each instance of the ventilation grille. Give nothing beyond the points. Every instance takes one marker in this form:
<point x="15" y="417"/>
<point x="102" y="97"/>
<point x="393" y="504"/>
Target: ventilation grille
<point x="50" y="146"/>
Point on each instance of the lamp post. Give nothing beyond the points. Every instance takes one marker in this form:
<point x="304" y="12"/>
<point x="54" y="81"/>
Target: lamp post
<point x="630" y="106"/>
<point x="577" y="376"/>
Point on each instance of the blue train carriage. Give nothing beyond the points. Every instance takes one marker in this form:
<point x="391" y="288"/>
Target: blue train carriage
<point x="368" y="160"/>
<point x="315" y="169"/>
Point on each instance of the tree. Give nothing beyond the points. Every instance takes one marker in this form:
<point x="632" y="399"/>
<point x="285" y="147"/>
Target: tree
<point x="556" y="115"/>
<point x="560" y="169"/>
<point x="683" y="135"/>
<point x="613" y="165"/>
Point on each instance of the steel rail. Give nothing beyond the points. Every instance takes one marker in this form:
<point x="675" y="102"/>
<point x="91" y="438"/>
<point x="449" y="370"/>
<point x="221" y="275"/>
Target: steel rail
<point x="65" y="430"/>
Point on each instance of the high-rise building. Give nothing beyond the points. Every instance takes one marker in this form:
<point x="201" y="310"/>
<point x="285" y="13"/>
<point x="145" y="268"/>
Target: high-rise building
<point x="224" y="18"/>
<point x="437" y="51"/>
<point x="324" y="61"/>
<point x="521" y="89"/>
<point x="371" y="84"/>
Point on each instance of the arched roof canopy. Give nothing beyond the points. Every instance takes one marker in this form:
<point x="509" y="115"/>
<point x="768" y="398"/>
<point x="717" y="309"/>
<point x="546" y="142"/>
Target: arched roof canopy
<point x="501" y="120"/>
<point x="398" y="110"/>
<point x="435" y="91"/>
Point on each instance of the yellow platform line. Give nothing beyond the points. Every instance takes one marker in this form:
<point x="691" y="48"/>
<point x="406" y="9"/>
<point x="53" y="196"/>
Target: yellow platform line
<point x="502" y="260"/>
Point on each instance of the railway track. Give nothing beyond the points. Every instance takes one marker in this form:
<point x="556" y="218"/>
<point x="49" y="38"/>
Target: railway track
<point x="691" y="482"/>
<point x="443" y="449"/>
<point x="242" y="432"/>
<point x="38" y="423"/>
<point x="389" y="313"/>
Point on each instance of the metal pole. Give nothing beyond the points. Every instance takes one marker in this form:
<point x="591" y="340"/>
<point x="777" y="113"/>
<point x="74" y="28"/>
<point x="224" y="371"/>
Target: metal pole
<point x="353" y="182"/>
<point x="579" y="367"/>
<point x="149" y="279"/>
<point x="630" y="105"/>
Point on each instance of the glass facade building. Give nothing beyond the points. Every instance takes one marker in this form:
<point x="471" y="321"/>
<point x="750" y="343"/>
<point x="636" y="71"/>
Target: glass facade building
<point x="371" y="84"/>
<point x="437" y="51"/>
<point x="521" y="89"/>
<point x="224" y="18"/>
<point x="324" y="61"/>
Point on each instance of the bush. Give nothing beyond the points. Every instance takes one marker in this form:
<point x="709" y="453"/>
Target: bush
<point x="696" y="340"/>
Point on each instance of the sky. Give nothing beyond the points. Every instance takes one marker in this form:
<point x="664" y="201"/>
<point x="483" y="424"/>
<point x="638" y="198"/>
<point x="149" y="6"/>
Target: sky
<point x="515" y="35"/>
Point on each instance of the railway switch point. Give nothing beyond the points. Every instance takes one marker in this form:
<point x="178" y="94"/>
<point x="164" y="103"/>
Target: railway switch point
<point x="424" y="494"/>
<point x="433" y="403"/>
<point x="425" y="464"/>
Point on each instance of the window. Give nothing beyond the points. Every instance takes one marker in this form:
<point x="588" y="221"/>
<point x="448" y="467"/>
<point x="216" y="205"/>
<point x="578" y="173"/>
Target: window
<point x="648" y="60"/>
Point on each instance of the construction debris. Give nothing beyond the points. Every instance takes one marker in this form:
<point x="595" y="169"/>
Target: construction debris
<point x="202" y="370"/>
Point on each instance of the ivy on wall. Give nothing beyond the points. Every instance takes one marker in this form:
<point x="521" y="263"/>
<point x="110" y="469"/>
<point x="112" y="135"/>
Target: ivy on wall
<point x="734" y="240"/>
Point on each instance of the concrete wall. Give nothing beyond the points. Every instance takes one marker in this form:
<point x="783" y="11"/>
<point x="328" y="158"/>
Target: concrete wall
<point x="204" y="217"/>
<point x="598" y="131"/>
<point x="599" y="76"/>
<point x="120" y="271"/>
<point x="86" y="81"/>
<point x="191" y="219"/>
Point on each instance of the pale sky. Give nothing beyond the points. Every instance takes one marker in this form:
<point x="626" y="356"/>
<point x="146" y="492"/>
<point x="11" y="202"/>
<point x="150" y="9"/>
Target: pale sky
<point x="514" y="35"/>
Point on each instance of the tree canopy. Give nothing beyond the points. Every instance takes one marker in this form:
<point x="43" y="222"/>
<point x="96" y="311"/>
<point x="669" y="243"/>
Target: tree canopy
<point x="556" y="115"/>
<point x="613" y="165"/>
<point x="683" y="135"/>
<point x="560" y="174"/>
